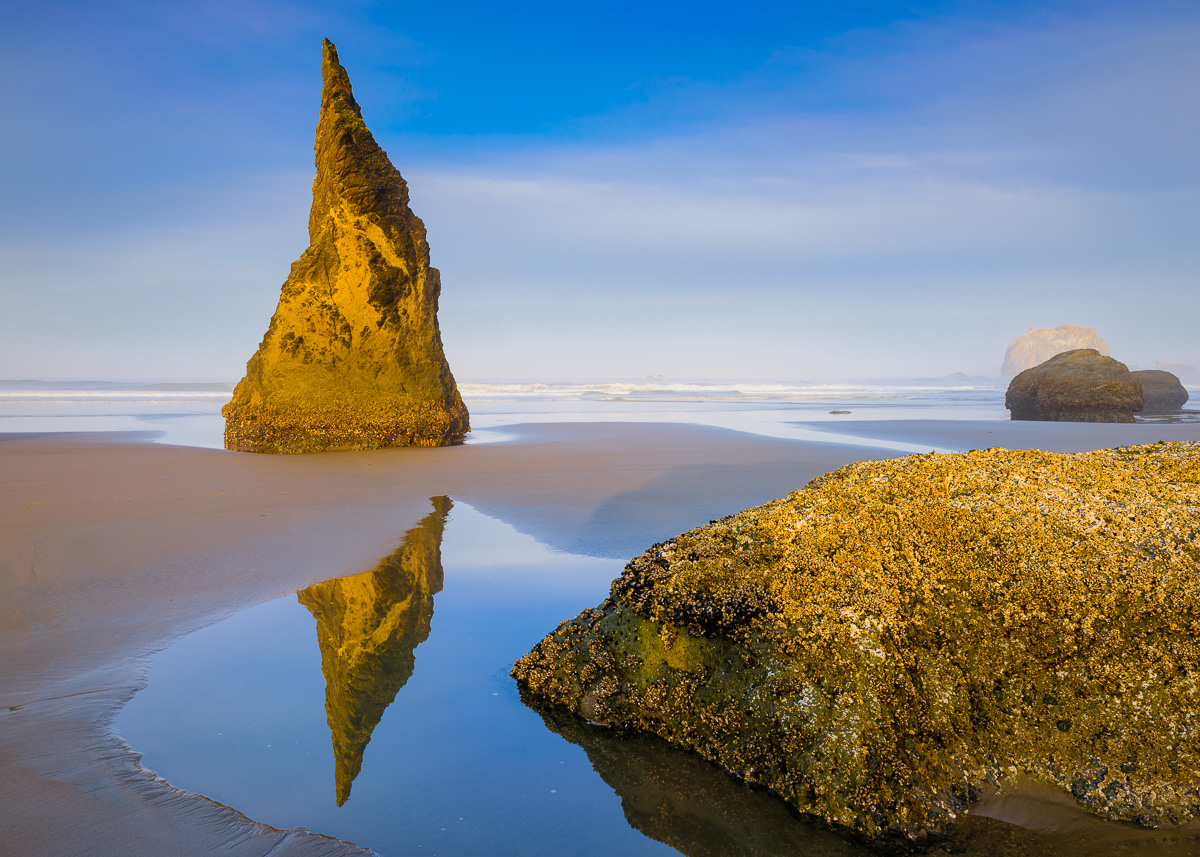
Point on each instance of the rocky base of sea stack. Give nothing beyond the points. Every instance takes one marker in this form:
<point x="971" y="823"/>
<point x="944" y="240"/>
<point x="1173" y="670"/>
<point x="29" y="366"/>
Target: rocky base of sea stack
<point x="370" y="424"/>
<point x="878" y="646"/>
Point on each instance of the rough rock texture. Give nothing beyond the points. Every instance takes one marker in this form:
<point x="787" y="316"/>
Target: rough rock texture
<point x="1185" y="372"/>
<point x="368" y="627"/>
<point x="1076" y="386"/>
<point x="1039" y="344"/>
<point x="877" y="646"/>
<point x="1161" y="391"/>
<point x="353" y="355"/>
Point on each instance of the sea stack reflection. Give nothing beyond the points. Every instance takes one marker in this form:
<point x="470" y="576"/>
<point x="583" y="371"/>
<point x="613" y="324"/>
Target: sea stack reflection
<point x="353" y="356"/>
<point x="368" y="627"/>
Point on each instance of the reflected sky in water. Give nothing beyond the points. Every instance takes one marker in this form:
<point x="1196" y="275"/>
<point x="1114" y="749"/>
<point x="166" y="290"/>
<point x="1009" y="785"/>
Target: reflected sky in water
<point x="456" y="765"/>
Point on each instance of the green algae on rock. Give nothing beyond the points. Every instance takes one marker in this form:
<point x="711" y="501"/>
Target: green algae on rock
<point x="878" y="645"/>
<point x="353" y="356"/>
<point x="1076" y="386"/>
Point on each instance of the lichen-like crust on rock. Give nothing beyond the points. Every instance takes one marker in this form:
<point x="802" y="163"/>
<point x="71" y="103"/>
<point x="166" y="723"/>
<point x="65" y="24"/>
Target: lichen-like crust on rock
<point x="1162" y="391"/>
<point x="1076" y="386"/>
<point x="353" y="356"/>
<point x="879" y="644"/>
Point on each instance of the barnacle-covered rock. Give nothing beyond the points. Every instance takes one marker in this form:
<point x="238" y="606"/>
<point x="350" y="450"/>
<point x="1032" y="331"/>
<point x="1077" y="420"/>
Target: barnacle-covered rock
<point x="878" y="645"/>
<point x="353" y="356"/>
<point x="1076" y="386"/>
<point x="1161" y="391"/>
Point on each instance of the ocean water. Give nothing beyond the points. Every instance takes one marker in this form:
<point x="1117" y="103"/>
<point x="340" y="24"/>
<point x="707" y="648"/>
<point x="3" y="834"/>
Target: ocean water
<point x="185" y="414"/>
<point x="189" y="414"/>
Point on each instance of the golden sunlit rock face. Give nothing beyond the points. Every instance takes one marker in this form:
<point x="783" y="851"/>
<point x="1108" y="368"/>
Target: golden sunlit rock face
<point x="881" y="643"/>
<point x="368" y="627"/>
<point x="353" y="356"/>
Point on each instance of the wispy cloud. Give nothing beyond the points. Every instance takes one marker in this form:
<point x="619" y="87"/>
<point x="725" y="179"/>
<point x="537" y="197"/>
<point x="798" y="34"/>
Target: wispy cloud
<point x="898" y="200"/>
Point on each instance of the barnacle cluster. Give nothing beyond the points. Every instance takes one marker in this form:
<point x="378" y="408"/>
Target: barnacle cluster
<point x="879" y="644"/>
<point x="346" y="422"/>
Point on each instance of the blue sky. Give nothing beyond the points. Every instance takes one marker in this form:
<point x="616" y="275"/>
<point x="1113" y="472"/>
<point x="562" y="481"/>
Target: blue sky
<point x="761" y="190"/>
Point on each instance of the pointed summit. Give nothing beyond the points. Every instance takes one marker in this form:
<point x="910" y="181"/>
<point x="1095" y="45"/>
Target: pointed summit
<point x="353" y="356"/>
<point x="351" y="166"/>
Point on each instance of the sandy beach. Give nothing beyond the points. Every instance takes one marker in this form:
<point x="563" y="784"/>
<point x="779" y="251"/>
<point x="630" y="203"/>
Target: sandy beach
<point x="114" y="547"/>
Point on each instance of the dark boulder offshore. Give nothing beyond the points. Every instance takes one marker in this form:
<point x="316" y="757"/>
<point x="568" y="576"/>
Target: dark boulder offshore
<point x="1161" y="391"/>
<point x="1076" y="386"/>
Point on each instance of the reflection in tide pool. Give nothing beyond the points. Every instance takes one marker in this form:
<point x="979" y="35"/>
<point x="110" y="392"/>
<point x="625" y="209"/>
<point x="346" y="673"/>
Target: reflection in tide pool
<point x="368" y="626"/>
<point x="241" y="712"/>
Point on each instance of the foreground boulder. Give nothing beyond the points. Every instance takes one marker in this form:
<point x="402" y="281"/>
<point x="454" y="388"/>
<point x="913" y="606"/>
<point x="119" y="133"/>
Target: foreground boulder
<point x="876" y="647"/>
<point x="1039" y="344"/>
<point x="1161" y="391"/>
<point x="1076" y="386"/>
<point x="353" y="356"/>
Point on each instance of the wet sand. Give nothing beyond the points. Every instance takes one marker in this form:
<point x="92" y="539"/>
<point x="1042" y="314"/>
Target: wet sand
<point x="112" y="548"/>
<point x="963" y="435"/>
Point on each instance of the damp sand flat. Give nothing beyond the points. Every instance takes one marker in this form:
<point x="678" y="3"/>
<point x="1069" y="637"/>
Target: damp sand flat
<point x="113" y="549"/>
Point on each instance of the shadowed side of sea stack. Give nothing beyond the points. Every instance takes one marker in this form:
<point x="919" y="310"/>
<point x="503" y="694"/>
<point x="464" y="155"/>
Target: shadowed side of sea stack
<point x="353" y="356"/>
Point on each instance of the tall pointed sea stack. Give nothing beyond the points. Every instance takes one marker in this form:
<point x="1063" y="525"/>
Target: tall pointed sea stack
<point x="353" y="356"/>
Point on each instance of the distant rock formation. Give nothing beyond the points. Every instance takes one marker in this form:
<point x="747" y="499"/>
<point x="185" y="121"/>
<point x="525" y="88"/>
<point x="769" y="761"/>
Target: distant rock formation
<point x="878" y="646"/>
<point x="353" y="355"/>
<point x="368" y="628"/>
<point x="1185" y="372"/>
<point x="1161" y="391"/>
<point x="1076" y="386"/>
<point x="1039" y="344"/>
